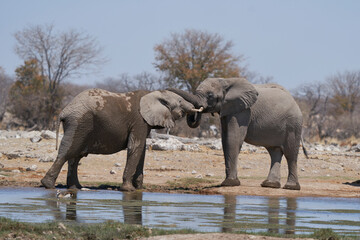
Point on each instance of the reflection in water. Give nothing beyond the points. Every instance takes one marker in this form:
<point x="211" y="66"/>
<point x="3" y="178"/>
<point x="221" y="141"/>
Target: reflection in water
<point x="210" y="213"/>
<point x="131" y="208"/>
<point x="229" y="212"/>
<point x="56" y="204"/>
<point x="274" y="215"/>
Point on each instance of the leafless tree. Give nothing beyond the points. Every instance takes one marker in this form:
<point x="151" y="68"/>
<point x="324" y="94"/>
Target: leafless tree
<point x="60" y="55"/>
<point x="314" y="103"/>
<point x="5" y="84"/>
<point x="192" y="56"/>
<point x="127" y="83"/>
<point x="344" y="90"/>
<point x="256" y="78"/>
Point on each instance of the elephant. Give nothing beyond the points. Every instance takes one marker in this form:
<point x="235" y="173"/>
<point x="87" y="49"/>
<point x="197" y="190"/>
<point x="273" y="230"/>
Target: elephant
<point x="259" y="114"/>
<point x="101" y="122"/>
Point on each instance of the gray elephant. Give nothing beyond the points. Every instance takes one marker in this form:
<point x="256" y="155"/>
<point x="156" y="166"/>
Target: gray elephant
<point x="264" y="115"/>
<point x="101" y="122"/>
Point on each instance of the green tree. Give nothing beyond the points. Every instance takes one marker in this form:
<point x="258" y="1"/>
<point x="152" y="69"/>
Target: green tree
<point x="192" y="56"/>
<point x="29" y="96"/>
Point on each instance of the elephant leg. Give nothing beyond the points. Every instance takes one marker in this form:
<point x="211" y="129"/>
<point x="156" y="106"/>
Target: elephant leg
<point x="72" y="180"/>
<point x="135" y="154"/>
<point x="139" y="174"/>
<point x="291" y="151"/>
<point x="69" y="148"/>
<point x="273" y="179"/>
<point x="50" y="177"/>
<point x="233" y="133"/>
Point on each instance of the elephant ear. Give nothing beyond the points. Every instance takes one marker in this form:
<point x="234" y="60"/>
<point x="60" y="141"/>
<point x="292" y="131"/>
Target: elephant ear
<point x="240" y="94"/>
<point x="154" y="110"/>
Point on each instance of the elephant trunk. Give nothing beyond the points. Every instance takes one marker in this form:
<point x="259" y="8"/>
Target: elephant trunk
<point x="193" y="119"/>
<point x="197" y="100"/>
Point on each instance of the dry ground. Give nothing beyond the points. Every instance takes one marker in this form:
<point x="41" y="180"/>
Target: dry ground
<point x="323" y="174"/>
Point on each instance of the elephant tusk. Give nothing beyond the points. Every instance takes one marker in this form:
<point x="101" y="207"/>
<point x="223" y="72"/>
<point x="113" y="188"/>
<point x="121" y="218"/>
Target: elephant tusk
<point x="197" y="110"/>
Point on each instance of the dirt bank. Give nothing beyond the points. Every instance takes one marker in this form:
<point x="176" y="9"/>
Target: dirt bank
<point x="325" y="173"/>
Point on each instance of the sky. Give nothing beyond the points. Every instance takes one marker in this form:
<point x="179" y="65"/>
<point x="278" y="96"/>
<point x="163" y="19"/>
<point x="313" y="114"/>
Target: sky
<point x="294" y="42"/>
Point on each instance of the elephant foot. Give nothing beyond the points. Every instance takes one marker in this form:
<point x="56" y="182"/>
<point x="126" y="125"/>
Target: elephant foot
<point x="138" y="183"/>
<point x="270" y="184"/>
<point x="74" y="186"/>
<point x="292" y="186"/>
<point x="230" y="182"/>
<point x="47" y="183"/>
<point x="127" y="187"/>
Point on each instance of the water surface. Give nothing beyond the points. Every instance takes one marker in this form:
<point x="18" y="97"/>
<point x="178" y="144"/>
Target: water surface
<point x="206" y="213"/>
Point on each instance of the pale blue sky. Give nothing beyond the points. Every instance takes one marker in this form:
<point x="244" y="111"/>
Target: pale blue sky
<point x="295" y="42"/>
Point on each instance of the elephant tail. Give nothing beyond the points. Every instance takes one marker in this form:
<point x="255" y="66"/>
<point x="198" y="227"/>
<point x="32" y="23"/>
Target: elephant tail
<point x="60" y="119"/>
<point x="304" y="149"/>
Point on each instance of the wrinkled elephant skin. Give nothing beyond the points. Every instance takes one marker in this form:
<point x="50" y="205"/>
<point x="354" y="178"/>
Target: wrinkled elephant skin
<point x="101" y="122"/>
<point x="260" y="114"/>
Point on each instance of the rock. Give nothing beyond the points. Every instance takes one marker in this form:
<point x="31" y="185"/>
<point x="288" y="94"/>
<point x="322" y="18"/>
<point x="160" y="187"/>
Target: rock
<point x="35" y="139"/>
<point x="209" y="175"/>
<point x="163" y="168"/>
<point x="216" y="145"/>
<point x="199" y="176"/>
<point x="32" y="168"/>
<point x="246" y="167"/>
<point x="16" y="171"/>
<point x="112" y="172"/>
<point x="47" y="159"/>
<point x="169" y="144"/>
<point x="191" y="147"/>
<point x="355" y="148"/>
<point x="48" y="134"/>
<point x="13" y="155"/>
<point x="193" y="172"/>
<point x="303" y="169"/>
<point x="62" y="226"/>
<point x="2" y="165"/>
<point x="117" y="164"/>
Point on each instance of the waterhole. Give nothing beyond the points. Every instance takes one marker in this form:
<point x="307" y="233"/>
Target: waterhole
<point x="205" y="213"/>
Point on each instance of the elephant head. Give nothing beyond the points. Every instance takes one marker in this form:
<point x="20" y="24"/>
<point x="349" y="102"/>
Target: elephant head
<point x="219" y="95"/>
<point x="162" y="108"/>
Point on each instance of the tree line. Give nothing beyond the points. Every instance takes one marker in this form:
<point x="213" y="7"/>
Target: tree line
<point x="39" y="91"/>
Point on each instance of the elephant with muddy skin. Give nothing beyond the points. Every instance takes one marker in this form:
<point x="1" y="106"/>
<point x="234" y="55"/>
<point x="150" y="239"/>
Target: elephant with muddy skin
<point x="259" y="114"/>
<point x="101" y="122"/>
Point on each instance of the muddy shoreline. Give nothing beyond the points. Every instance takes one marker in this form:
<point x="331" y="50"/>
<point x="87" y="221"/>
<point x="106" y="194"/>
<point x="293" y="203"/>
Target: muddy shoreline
<point x="330" y="171"/>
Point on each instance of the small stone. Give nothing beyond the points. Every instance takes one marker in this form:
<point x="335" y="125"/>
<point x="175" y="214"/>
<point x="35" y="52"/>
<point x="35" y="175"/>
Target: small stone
<point x="209" y="175"/>
<point x="35" y="139"/>
<point x="48" y="134"/>
<point x="117" y="164"/>
<point x="112" y="172"/>
<point x="46" y="159"/>
<point x="16" y="171"/>
<point x="12" y="155"/>
<point x="2" y="165"/>
<point x="193" y="172"/>
<point x="32" y="168"/>
<point x="303" y="169"/>
<point x="199" y="176"/>
<point x="62" y="226"/>
<point x="163" y="168"/>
